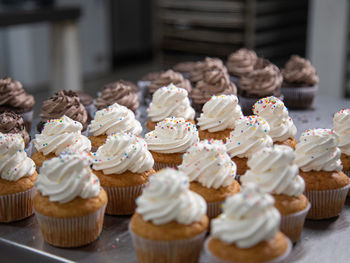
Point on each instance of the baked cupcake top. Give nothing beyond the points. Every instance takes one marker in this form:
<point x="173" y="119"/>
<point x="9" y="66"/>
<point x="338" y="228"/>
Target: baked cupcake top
<point x="208" y="64"/>
<point x="241" y="62"/>
<point x="66" y="177"/>
<point x="114" y="118"/>
<point x="120" y="92"/>
<point x="13" y="95"/>
<point x="123" y="152"/>
<point x="215" y="82"/>
<point x="167" y="198"/>
<point x="274" y="171"/>
<point x="11" y="122"/>
<point x="172" y="135"/>
<point x="59" y="134"/>
<point x="208" y="163"/>
<point x="220" y="113"/>
<point x="341" y="123"/>
<point x="276" y="114"/>
<point x="266" y="79"/>
<point x="168" y="77"/>
<point x="15" y="163"/>
<point x="299" y="71"/>
<point x="64" y="103"/>
<point x="248" y="218"/>
<point x="168" y="102"/>
<point x="249" y="136"/>
<point x="318" y="150"/>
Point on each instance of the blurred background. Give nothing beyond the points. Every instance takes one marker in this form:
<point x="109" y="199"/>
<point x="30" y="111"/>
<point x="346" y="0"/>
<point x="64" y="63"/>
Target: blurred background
<point x="84" y="44"/>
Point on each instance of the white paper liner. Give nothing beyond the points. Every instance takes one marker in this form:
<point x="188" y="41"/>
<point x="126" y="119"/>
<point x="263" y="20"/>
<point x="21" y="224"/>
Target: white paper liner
<point x="213" y="259"/>
<point x="28" y="119"/>
<point x="327" y="203"/>
<point x="71" y="232"/>
<point x="14" y="207"/>
<point x="213" y="209"/>
<point x="159" y="166"/>
<point x="292" y="225"/>
<point x="174" y="251"/>
<point x="121" y="200"/>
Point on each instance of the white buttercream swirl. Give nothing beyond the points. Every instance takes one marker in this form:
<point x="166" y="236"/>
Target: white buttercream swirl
<point x="248" y="218"/>
<point x="114" y="118"/>
<point x="208" y="163"/>
<point x="68" y="176"/>
<point x="341" y="124"/>
<point x="249" y="136"/>
<point x="173" y="135"/>
<point x="220" y="113"/>
<point x="167" y="198"/>
<point x="318" y="150"/>
<point x="14" y="162"/>
<point x="170" y="101"/>
<point x="123" y="152"/>
<point x="276" y="114"/>
<point x="274" y="171"/>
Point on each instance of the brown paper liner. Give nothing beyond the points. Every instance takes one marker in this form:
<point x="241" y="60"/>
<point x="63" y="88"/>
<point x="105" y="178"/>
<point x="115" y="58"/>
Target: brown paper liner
<point x="213" y="209"/>
<point x="159" y="166"/>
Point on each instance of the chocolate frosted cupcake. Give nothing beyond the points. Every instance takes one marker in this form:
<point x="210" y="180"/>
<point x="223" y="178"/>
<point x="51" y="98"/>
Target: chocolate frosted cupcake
<point x="14" y="98"/>
<point x="264" y="80"/>
<point x="299" y="83"/>
<point x="88" y="103"/>
<point x="241" y="63"/>
<point x="201" y="67"/>
<point x="63" y="103"/>
<point x="185" y="68"/>
<point x="167" y="78"/>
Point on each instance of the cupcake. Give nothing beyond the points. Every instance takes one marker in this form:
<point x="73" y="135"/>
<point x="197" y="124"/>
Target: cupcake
<point x="88" y="103"/>
<point x="211" y="173"/>
<point x="249" y="136"/>
<point x="299" y="83"/>
<point x="208" y="64"/>
<point x="170" y="222"/>
<point x="17" y="177"/>
<point x="282" y="128"/>
<point x="70" y="203"/>
<point x="56" y="136"/>
<point x="318" y="158"/>
<point x="265" y="80"/>
<point x="184" y="68"/>
<point x="14" y="98"/>
<point x="218" y="117"/>
<point x="247" y="230"/>
<point x="169" y="101"/>
<point x="63" y="103"/>
<point x="241" y="63"/>
<point x="274" y="171"/>
<point x="123" y="165"/>
<point x="113" y="119"/>
<point x="169" y="141"/>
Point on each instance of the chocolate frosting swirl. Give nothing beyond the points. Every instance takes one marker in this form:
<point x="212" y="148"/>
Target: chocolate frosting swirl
<point x="85" y="98"/>
<point x="215" y="82"/>
<point x="151" y="76"/>
<point x="208" y="64"/>
<point x="118" y="92"/>
<point x="264" y="80"/>
<point x="13" y="95"/>
<point x="299" y="71"/>
<point x="167" y="78"/>
<point x="184" y="67"/>
<point x="241" y="62"/>
<point x="11" y="122"/>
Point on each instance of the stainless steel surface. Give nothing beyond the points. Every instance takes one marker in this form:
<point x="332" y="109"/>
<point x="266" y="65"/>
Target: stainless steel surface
<point x="322" y="241"/>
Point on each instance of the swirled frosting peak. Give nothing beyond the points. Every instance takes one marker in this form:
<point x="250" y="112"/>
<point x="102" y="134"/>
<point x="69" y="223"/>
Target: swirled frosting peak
<point x="249" y="136"/>
<point x="274" y="171"/>
<point x="208" y="163"/>
<point x="220" y="113"/>
<point x="123" y="152"/>
<point x="14" y="163"/>
<point x="167" y="198"/>
<point x="208" y="64"/>
<point x="318" y="150"/>
<point x="60" y="134"/>
<point x="276" y="114"/>
<point x="11" y="122"/>
<point x="168" y="77"/>
<point x="114" y="118"/>
<point x="341" y="123"/>
<point x="241" y="62"/>
<point x="170" y="101"/>
<point x="173" y="135"/>
<point x="248" y="218"/>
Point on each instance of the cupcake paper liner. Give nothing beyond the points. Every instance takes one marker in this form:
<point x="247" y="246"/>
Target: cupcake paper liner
<point x="28" y="118"/>
<point x="71" y="232"/>
<point x="299" y="97"/>
<point x="174" y="251"/>
<point x="121" y="200"/>
<point x="14" y="207"/>
<point x="213" y="209"/>
<point x="348" y="175"/>
<point x="159" y="166"/>
<point x="327" y="203"/>
<point x="213" y="259"/>
<point x="248" y="103"/>
<point x="292" y="225"/>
